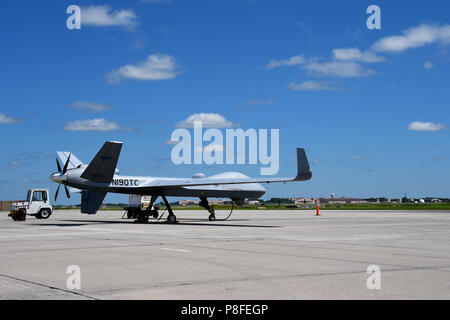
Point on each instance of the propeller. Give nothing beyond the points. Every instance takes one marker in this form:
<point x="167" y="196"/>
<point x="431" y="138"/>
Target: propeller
<point x="63" y="171"/>
<point x="67" y="163"/>
<point x="57" y="164"/>
<point x="56" y="194"/>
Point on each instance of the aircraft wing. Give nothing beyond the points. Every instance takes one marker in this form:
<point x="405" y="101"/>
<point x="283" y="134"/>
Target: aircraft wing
<point x="303" y="173"/>
<point x="103" y="166"/>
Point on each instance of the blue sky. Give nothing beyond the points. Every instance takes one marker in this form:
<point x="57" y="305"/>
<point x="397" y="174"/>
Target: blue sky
<point x="371" y="107"/>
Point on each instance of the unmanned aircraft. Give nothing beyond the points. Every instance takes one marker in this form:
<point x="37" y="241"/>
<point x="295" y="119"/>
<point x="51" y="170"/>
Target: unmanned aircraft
<point x="100" y="176"/>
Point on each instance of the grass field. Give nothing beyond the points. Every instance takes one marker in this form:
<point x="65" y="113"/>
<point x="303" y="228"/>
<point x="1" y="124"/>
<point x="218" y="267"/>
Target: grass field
<point x="368" y="206"/>
<point x="363" y="206"/>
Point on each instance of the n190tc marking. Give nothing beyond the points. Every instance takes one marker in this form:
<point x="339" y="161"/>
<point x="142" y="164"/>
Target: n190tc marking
<point x="125" y="182"/>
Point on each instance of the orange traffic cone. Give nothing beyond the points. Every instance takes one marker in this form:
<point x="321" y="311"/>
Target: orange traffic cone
<point x="317" y="208"/>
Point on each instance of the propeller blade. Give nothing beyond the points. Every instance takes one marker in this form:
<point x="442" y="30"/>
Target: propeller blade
<point x="56" y="194"/>
<point x="57" y="164"/>
<point x="66" y="165"/>
<point x="67" y="192"/>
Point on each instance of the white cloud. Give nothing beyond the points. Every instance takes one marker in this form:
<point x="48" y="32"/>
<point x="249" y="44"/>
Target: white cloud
<point x="354" y="54"/>
<point x="362" y="157"/>
<point x="171" y="142"/>
<point x="309" y="86"/>
<point x="426" y="126"/>
<point x="414" y="38"/>
<point x="304" y="27"/>
<point x="209" y="120"/>
<point x="156" y="1"/>
<point x="261" y="101"/>
<point x="104" y="16"/>
<point x="349" y="62"/>
<point x="155" y="67"/>
<point x="13" y="164"/>
<point x="4" y="119"/>
<point x="92" y="125"/>
<point x="428" y="65"/>
<point x="213" y="147"/>
<point x="89" y="106"/>
<point x="339" y="69"/>
<point x="256" y="102"/>
<point x="139" y="43"/>
<point x="295" y="60"/>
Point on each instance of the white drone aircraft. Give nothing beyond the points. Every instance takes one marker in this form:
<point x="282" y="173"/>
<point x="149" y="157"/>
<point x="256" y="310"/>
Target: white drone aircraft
<point x="100" y="176"/>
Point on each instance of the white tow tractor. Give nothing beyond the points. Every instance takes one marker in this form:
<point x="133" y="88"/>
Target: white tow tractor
<point x="37" y="204"/>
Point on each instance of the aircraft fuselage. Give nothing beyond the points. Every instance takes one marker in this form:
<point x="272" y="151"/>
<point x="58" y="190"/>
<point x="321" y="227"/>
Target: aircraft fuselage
<point x="137" y="185"/>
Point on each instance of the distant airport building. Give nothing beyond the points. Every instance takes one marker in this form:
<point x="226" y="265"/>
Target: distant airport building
<point x="217" y="202"/>
<point x="6" y="205"/>
<point x="188" y="202"/>
<point x="300" y="201"/>
<point x="331" y="200"/>
<point x="342" y="200"/>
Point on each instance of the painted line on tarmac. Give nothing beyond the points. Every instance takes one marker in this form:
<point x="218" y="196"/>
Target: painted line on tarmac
<point x="47" y="286"/>
<point x="179" y="250"/>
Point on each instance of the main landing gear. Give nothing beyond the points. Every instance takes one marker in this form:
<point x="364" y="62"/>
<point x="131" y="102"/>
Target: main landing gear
<point x="142" y="216"/>
<point x="171" y="218"/>
<point x="205" y="204"/>
<point x="212" y="217"/>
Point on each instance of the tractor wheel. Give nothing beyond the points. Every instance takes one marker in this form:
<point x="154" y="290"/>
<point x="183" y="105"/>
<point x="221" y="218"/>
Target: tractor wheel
<point x="44" y="214"/>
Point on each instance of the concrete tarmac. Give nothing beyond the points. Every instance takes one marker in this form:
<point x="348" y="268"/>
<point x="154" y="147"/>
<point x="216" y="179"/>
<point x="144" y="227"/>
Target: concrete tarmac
<point x="289" y="254"/>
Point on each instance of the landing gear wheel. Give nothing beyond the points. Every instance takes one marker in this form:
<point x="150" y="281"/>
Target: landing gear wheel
<point x="172" y="218"/>
<point x="129" y="214"/>
<point x="212" y="217"/>
<point x="155" y="214"/>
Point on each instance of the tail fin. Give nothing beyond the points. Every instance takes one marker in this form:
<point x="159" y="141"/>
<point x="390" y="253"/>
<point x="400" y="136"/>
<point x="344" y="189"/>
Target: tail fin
<point x="103" y="166"/>
<point x="74" y="161"/>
